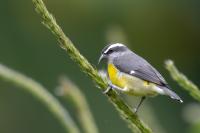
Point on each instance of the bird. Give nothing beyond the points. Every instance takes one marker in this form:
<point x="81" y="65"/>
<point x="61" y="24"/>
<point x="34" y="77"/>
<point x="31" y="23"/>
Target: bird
<point x="131" y="74"/>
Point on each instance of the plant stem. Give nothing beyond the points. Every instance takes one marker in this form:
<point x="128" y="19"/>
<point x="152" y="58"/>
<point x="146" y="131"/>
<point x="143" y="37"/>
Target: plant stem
<point x="71" y="92"/>
<point x="40" y="93"/>
<point x="182" y="80"/>
<point x="67" y="45"/>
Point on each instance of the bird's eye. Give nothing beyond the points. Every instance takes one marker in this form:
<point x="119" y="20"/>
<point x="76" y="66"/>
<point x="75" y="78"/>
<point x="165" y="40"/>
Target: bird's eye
<point x="110" y="51"/>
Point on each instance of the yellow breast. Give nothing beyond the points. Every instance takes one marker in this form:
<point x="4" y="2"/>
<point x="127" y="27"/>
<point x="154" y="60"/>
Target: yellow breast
<point x="115" y="76"/>
<point x="130" y="84"/>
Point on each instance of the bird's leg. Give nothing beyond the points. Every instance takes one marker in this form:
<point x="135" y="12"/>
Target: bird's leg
<point x="111" y="86"/>
<point x="107" y="90"/>
<point x="140" y="103"/>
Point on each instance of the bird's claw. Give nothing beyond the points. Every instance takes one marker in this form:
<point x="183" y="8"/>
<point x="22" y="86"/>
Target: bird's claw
<point x="110" y="86"/>
<point x="107" y="90"/>
<point x="135" y="110"/>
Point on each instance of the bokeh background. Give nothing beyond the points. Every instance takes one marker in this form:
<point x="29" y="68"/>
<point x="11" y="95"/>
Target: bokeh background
<point x="156" y="30"/>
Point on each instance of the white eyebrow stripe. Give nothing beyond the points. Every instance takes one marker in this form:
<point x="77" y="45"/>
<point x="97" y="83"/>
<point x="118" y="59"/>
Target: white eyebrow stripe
<point x="114" y="45"/>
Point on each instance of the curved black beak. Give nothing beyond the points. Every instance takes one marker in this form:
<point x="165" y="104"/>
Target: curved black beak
<point x="101" y="58"/>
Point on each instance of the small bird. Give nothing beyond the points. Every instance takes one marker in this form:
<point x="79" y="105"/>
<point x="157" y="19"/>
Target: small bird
<point x="131" y="74"/>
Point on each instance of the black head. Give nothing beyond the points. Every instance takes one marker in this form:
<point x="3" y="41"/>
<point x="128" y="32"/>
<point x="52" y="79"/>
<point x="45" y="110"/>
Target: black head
<point x="111" y="50"/>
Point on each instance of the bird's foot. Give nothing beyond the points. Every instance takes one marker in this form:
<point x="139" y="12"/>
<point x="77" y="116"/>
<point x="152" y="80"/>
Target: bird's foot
<point x="140" y="103"/>
<point x="135" y="110"/>
<point x="107" y="90"/>
<point x="110" y="86"/>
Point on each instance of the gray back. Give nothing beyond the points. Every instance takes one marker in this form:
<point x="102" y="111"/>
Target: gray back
<point x="129" y="61"/>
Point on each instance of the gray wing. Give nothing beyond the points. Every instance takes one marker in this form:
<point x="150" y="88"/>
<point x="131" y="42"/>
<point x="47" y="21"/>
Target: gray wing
<point x="140" y="68"/>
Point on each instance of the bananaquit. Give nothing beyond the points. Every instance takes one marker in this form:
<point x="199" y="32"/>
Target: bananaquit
<point x="133" y="75"/>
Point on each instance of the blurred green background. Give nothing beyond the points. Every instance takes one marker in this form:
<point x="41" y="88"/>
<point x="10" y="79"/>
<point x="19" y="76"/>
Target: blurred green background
<point x="156" y="30"/>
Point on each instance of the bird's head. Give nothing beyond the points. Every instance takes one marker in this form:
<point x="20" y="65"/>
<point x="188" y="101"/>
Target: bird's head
<point x="111" y="51"/>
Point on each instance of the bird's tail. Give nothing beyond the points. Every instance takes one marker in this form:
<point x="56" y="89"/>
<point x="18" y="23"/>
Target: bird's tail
<point x="172" y="94"/>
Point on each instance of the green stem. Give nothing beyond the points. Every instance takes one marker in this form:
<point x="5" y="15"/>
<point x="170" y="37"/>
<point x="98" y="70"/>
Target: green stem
<point x="182" y="80"/>
<point x="67" y="45"/>
<point x="71" y="92"/>
<point x="39" y="92"/>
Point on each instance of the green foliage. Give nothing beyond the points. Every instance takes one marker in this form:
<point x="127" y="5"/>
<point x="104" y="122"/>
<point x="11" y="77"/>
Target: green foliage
<point x="40" y="93"/>
<point x="183" y="81"/>
<point x="71" y="92"/>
